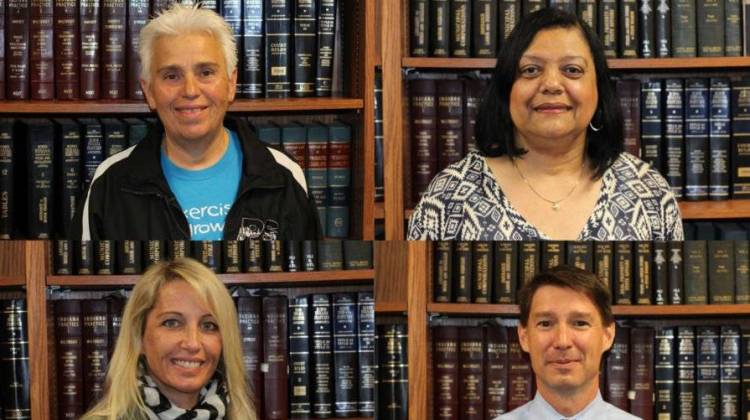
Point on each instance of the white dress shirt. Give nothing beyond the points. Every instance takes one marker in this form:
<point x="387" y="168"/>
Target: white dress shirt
<point x="539" y="409"/>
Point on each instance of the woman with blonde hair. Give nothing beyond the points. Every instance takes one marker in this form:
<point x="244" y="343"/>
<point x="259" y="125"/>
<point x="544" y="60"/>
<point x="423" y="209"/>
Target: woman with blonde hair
<point x="178" y="354"/>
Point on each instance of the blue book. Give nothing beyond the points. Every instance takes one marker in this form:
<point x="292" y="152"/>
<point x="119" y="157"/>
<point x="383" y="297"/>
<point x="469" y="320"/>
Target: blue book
<point x="366" y="351"/>
<point x="719" y="136"/>
<point x="252" y="49"/>
<point x="696" y="139"/>
<point x="40" y="143"/>
<point x="686" y="372"/>
<point x="294" y="142"/>
<point x="675" y="142"/>
<point x="69" y="140"/>
<point x="7" y="154"/>
<point x="316" y="172"/>
<point x="741" y="139"/>
<point x="115" y="136"/>
<point x="299" y="357"/>
<point x="345" y="330"/>
<point x="729" y="378"/>
<point x="664" y="369"/>
<point x="322" y="361"/>
<point x="651" y="124"/>
<point x="92" y="147"/>
<point x="137" y="129"/>
<point x="707" y="372"/>
<point x="231" y="11"/>
<point x="339" y="179"/>
<point x="267" y="132"/>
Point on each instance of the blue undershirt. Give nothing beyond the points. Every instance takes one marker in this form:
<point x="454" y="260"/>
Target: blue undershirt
<point x="206" y="195"/>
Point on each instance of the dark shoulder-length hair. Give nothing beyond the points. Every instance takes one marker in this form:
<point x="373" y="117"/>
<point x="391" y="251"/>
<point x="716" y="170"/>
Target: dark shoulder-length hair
<point x="494" y="127"/>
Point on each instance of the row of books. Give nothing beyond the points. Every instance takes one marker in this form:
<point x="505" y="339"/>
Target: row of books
<point x="106" y="257"/>
<point x="626" y="28"/>
<point x="15" y="388"/>
<point x="708" y="231"/>
<point x="304" y="356"/>
<point x="642" y="273"/>
<point x="47" y="164"/>
<point x="89" y="50"/>
<point x="670" y="372"/>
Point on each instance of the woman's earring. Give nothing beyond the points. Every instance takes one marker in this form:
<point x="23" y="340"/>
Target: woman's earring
<point x="597" y="116"/>
<point x="591" y="126"/>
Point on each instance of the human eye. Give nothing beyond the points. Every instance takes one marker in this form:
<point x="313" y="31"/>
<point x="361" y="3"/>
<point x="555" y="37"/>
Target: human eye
<point x="544" y="323"/>
<point x="572" y="70"/>
<point x="581" y="323"/>
<point x="209" y="325"/>
<point x="170" y="323"/>
<point x="170" y="75"/>
<point x="529" y="70"/>
<point x="207" y="72"/>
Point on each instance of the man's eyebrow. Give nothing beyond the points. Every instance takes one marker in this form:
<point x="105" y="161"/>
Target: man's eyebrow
<point x="578" y="314"/>
<point x="544" y="314"/>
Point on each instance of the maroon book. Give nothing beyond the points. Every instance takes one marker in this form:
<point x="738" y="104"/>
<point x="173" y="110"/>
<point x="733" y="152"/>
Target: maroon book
<point x="496" y="372"/>
<point x="520" y="375"/>
<point x="89" y="51"/>
<point x="95" y="349"/>
<point x="67" y="46"/>
<point x="642" y="372"/>
<point x="17" y="26"/>
<point x="2" y="49"/>
<point x="471" y="373"/>
<point x="113" y="48"/>
<point x="618" y="370"/>
<point x="472" y="99"/>
<point x="450" y="120"/>
<point x="423" y="114"/>
<point x="629" y="92"/>
<point x="68" y="337"/>
<point x="42" y="59"/>
<point x="445" y="371"/>
<point x="251" y="334"/>
<point x="116" y="308"/>
<point x="275" y="356"/>
<point x="137" y="18"/>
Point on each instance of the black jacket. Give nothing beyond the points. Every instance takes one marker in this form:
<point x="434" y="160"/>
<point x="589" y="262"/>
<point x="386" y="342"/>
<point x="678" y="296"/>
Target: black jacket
<point x="130" y="198"/>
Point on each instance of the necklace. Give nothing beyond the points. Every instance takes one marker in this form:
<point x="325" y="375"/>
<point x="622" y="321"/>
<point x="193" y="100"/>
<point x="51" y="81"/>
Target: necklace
<point x="555" y="203"/>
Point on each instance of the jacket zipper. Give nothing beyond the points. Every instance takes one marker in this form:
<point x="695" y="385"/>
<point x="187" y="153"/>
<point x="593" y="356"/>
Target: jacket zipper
<point x="170" y="206"/>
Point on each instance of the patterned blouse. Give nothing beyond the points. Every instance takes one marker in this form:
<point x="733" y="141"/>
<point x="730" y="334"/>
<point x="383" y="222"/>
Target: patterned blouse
<point x="464" y="202"/>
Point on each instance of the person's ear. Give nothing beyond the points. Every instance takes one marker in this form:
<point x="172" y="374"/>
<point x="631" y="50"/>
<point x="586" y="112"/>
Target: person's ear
<point x="232" y="85"/>
<point x="609" y="336"/>
<point x="147" y="94"/>
<point x="523" y="338"/>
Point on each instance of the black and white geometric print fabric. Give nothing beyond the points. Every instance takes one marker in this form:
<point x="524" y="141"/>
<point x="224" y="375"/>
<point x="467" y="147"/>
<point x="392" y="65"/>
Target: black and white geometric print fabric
<point x="463" y="202"/>
<point x="212" y="405"/>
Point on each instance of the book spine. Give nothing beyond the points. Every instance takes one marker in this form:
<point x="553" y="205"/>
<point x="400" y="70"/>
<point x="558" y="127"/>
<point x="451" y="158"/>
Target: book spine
<point x="696" y="139"/>
<point x="674" y="134"/>
<point x="587" y="11"/>
<point x="339" y="180"/>
<point x="618" y="370"/>
<point x="623" y="285"/>
<point x="664" y="373"/>
<point x="114" y="315"/>
<point x="646" y="40"/>
<point x="104" y="254"/>
<point x="445" y="372"/>
<point x="663" y="30"/>
<point x="253" y="256"/>
<point x="278" y="22"/>
<point x="113" y="52"/>
<point x="178" y="249"/>
<point x="273" y="256"/>
<point x="252" y="44"/>
<point x="496" y="372"/>
<point x="128" y="257"/>
<point x="740" y="138"/>
<point x="326" y="52"/>
<point x="530" y="6"/>
<point x="70" y="165"/>
<point x="379" y="152"/>
<point x="710" y="19"/>
<point x="231" y="261"/>
<point x="90" y="49"/>
<point x="419" y="16"/>
<point x="330" y="255"/>
<point x="41" y="56"/>
<point x="604" y="263"/>
<point x="707" y="372"/>
<point x="460" y="28"/>
<point x="305" y="29"/>
<point x="745" y="373"/>
<point x="231" y="11"/>
<point x="449" y="122"/>
<point x="367" y="368"/>
<point x="484" y="26"/>
<point x="719" y="139"/>
<point x="393" y="390"/>
<point x="742" y="271"/>
<point x="608" y="21"/>
<point x="629" y="92"/>
<point x="357" y="254"/>
<point x="510" y="14"/>
<point x="581" y="254"/>
<point x="17" y="27"/>
<point x="660" y="270"/>
<point x="686" y="372"/>
<point x="553" y="254"/>
<point x="153" y="252"/>
<point x="2" y="50"/>
<point x="275" y="379"/>
<point x="505" y="272"/>
<point x="95" y="349"/>
<point x="651" y="124"/>
<point x="345" y="354"/>
<point x="7" y="178"/>
<point x="471" y="372"/>
<point x="684" y="28"/>
<point x="529" y="261"/>
<point x="440" y="29"/>
<point x="642" y="372"/>
<point x="207" y="253"/>
<point x="309" y="255"/>
<point x="40" y="139"/>
<point x="732" y="28"/>
<point x="520" y="375"/>
<point x="729" y="378"/>
<point x="115" y="136"/>
<point x="249" y="314"/>
<point x="423" y="112"/>
<point x="14" y="360"/>
<point x="643" y="270"/>
<point x="322" y="394"/>
<point x="62" y="257"/>
<point x="462" y="275"/>
<point x="84" y="257"/>
<point x="676" y="289"/>
<point x="299" y="357"/>
<point x="93" y="150"/>
<point x="68" y="338"/>
<point x="137" y="16"/>
<point x="292" y="256"/>
<point x="481" y="256"/>
<point x="695" y="269"/>
<point x="472" y="97"/>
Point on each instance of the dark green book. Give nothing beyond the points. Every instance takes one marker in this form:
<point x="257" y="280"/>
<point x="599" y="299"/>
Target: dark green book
<point x="84" y="257"/>
<point x="646" y="42"/>
<point x="581" y="254"/>
<point x="721" y="272"/>
<point x="603" y="263"/>
<point x="268" y="133"/>
<point x="510" y="13"/>
<point x="696" y="272"/>
<point x="741" y="272"/>
<point x="643" y="272"/>
<point x="419" y="28"/>
<point x="732" y="28"/>
<point x="154" y="251"/>
<point x="309" y="255"/>
<point x="660" y="272"/>
<point x="484" y="27"/>
<point x="628" y="28"/>
<point x="608" y="33"/>
<point x="104" y="255"/>
<point x="273" y="256"/>
<point x="553" y="254"/>
<point x="460" y="28"/>
<point x="62" y="257"/>
<point x="179" y="248"/>
<point x="505" y="272"/>
<point x="357" y="255"/>
<point x="481" y="258"/>
<point x="684" y="28"/>
<point x="710" y="18"/>
<point x="292" y="256"/>
<point x="587" y="12"/>
<point x="330" y="255"/>
<point x="623" y="263"/>
<point x="663" y="29"/>
<point x="529" y="261"/>
<point x="439" y="28"/>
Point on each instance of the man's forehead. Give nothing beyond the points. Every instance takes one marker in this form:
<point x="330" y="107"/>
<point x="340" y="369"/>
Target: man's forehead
<point x="561" y="300"/>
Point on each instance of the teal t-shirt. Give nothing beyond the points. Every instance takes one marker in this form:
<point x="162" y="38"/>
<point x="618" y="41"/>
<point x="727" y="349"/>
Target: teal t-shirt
<point x="206" y="195"/>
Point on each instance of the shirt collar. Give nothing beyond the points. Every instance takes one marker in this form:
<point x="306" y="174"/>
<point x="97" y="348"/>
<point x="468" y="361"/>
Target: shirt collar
<point x="543" y="410"/>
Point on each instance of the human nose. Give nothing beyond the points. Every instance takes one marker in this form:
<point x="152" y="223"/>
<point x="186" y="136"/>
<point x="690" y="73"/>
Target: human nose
<point x="551" y="82"/>
<point x="190" y="86"/>
<point x="562" y="337"/>
<point x="191" y="338"/>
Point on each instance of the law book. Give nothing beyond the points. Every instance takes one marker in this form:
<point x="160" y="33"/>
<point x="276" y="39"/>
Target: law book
<point x="137" y="16"/>
<point x="587" y="11"/>
<point x="292" y="256"/>
<point x="553" y="254"/>
<point x="17" y="27"/>
<point x="92" y="148"/>
<point x="729" y="376"/>
<point x="742" y="271"/>
<point x="299" y="357"/>
<point x="481" y="281"/>
<point x="178" y="249"/>
<point x="273" y="256"/>
<point x="443" y="270"/>
<point x="41" y="55"/>
<point x="326" y="51"/>
<point x="305" y="38"/>
<point x="740" y="158"/>
<point x="471" y="372"/>
<point x="745" y="372"/>
<point x="379" y="155"/>
<point x="339" y="179"/>
<point x="8" y="163"/>
<point x="643" y="272"/>
<point x="707" y="372"/>
<point x="530" y="6"/>
<point x="665" y="360"/>
<point x="445" y="362"/>
<point x="115" y="136"/>
<point x="129" y="257"/>
<point x="472" y="97"/>
<point x="495" y="371"/>
<point x="604" y="263"/>
<point x="623" y="273"/>
<point x="357" y="254"/>
<point x="695" y="270"/>
<point x="660" y="273"/>
<point x="278" y="26"/>
<point x="153" y="252"/>
<point x="504" y="272"/>
<point x="95" y="349"/>
<point x="105" y="257"/>
<point x="686" y="372"/>
<point x="253" y="261"/>
<point x="652" y="109"/>
<point x="484" y="26"/>
<point x="293" y="141"/>
<point x="696" y="139"/>
<point x="684" y="28"/>
<point x="309" y="255"/>
<point x="345" y="330"/>
<point x="114" y="316"/>
<point x="68" y="141"/>
<point x="366" y="363"/>
<point x="84" y="257"/>
<point x="2" y="51"/>
<point x="449" y="122"/>
<point x="207" y="253"/>
<point x="460" y="28"/>
<point x="646" y="25"/>
<point x="423" y="114"/>
<point x="566" y="5"/>
<point x="732" y="28"/>
<point x="629" y="93"/>
<point x="14" y="360"/>
<point x="393" y="398"/>
<point x="137" y="129"/>
<point x="439" y="28"/>
<point x="580" y="254"/>
<point x="674" y="149"/>
<point x="330" y="255"/>
<point x="231" y="256"/>
<point x="419" y="28"/>
<point x="249" y="314"/>
<point x="267" y="132"/>
<point x="40" y="175"/>
<point x="529" y="261"/>
<point x="608" y="31"/>
<point x="710" y="21"/>
<point x="113" y="49"/>
<point x="231" y="12"/>
<point x="462" y="272"/>
<point x="510" y="13"/>
<point x="69" y="346"/>
<point x="62" y="257"/>
<point x="663" y="29"/>
<point x="719" y="138"/>
<point x="90" y="54"/>
<point x="720" y="272"/>
<point x="520" y="375"/>
<point x="275" y="357"/>
<point x="618" y="370"/>
<point x="316" y="172"/>
<point x="252" y="49"/>
<point x="642" y="372"/>
<point x="627" y="28"/>
<point x="322" y="357"/>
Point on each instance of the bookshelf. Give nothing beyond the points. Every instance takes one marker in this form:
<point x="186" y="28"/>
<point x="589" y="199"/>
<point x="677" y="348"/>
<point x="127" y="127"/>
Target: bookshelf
<point x="396" y="60"/>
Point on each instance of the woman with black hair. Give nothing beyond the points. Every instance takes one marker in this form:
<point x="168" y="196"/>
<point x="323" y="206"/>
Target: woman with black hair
<point x="550" y="163"/>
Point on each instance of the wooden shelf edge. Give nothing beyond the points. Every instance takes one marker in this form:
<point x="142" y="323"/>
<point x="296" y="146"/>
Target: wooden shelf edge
<point x="473" y="309"/>
<point x="727" y="209"/>
<point x="309" y="277"/>
<point x="614" y="63"/>
<point x="390" y="307"/>
<point x="379" y="210"/>
<point x="468" y="309"/>
<point x="12" y="281"/>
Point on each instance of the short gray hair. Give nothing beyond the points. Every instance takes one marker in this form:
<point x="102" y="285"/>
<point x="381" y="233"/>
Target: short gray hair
<point x="183" y="19"/>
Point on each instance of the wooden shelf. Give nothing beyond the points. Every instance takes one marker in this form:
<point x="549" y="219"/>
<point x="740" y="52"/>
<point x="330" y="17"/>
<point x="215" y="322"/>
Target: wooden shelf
<point x="12" y="281"/>
<point x="482" y="309"/>
<point x="614" y="63"/>
<point x="390" y="307"/>
<point x="728" y="209"/>
<point x="379" y="211"/>
<point x="307" y="278"/>
<point x="140" y="107"/>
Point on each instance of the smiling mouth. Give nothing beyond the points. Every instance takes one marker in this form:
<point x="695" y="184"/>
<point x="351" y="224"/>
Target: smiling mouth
<point x="552" y="108"/>
<point x="563" y="362"/>
<point x="187" y="364"/>
<point x="191" y="110"/>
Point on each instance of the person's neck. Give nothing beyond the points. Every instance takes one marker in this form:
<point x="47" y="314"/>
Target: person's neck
<point x="196" y="154"/>
<point x="561" y="159"/>
<point x="569" y="404"/>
